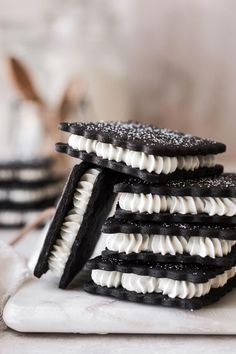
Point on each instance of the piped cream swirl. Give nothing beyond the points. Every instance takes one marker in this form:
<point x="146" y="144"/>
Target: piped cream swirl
<point x="147" y="284"/>
<point x="138" y="159"/>
<point x="153" y="203"/>
<point x="172" y="245"/>
<point x="71" y="225"/>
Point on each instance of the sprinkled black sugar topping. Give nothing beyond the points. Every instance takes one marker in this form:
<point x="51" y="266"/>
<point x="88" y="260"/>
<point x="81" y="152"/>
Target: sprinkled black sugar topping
<point x="224" y="181"/>
<point x="182" y="226"/>
<point x="144" y="137"/>
<point x="157" y="265"/>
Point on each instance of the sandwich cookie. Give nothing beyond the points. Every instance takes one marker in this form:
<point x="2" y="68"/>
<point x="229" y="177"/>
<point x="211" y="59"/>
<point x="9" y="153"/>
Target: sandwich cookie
<point x="207" y="200"/>
<point x="188" y="286"/>
<point x="85" y="203"/>
<point x="169" y="242"/>
<point x="142" y="150"/>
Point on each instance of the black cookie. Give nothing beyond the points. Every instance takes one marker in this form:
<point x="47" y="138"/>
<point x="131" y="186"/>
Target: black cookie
<point x="224" y="232"/>
<point x="163" y="300"/>
<point x="195" y="273"/>
<point x="96" y="211"/>
<point x="221" y="190"/>
<point x="138" y="137"/>
<point x="221" y="186"/>
<point x="144" y="137"/>
<point x="177" y="218"/>
<point x="227" y="261"/>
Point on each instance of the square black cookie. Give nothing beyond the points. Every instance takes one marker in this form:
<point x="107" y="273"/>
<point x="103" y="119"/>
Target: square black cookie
<point x="142" y="150"/>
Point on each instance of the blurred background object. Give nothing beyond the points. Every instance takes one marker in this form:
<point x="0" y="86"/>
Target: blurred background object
<point x="168" y="62"/>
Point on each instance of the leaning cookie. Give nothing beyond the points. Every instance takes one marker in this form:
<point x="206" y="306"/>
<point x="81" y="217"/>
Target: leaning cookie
<point x="141" y="150"/>
<point x="169" y="242"/>
<point x="76" y="226"/>
<point x="187" y="286"/>
<point x="207" y="200"/>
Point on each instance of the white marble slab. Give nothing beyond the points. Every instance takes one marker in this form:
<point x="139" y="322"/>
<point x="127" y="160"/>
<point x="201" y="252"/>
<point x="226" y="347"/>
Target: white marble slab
<point x="39" y="306"/>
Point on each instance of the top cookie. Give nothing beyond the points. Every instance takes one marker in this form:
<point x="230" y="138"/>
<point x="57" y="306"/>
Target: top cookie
<point x="145" y="138"/>
<point x="141" y="150"/>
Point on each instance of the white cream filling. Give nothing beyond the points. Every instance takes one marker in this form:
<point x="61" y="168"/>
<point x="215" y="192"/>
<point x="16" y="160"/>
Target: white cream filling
<point x="23" y="174"/>
<point x="147" y="284"/>
<point x="17" y="217"/>
<point x="140" y="160"/>
<point x="172" y="245"/>
<point x="153" y="203"/>
<point x="71" y="225"/>
<point x="28" y="195"/>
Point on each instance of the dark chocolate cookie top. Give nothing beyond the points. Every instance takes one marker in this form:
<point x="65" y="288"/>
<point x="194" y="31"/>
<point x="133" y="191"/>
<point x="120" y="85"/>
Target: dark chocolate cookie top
<point x="221" y="186"/>
<point x="196" y="273"/>
<point x="114" y="225"/>
<point x="145" y="137"/>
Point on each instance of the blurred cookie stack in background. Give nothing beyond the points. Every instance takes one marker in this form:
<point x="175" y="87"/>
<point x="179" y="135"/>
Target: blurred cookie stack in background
<point x="31" y="172"/>
<point x="26" y="187"/>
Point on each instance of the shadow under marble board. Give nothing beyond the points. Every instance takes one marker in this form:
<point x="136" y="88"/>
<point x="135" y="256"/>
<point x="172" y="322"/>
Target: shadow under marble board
<point x="39" y="306"/>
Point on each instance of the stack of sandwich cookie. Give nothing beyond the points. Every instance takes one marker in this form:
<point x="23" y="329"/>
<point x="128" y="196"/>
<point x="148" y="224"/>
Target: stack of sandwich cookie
<point x="184" y="223"/>
<point x="171" y="239"/>
<point x="25" y="189"/>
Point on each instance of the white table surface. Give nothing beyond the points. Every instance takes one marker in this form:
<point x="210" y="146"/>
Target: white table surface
<point x="17" y="343"/>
